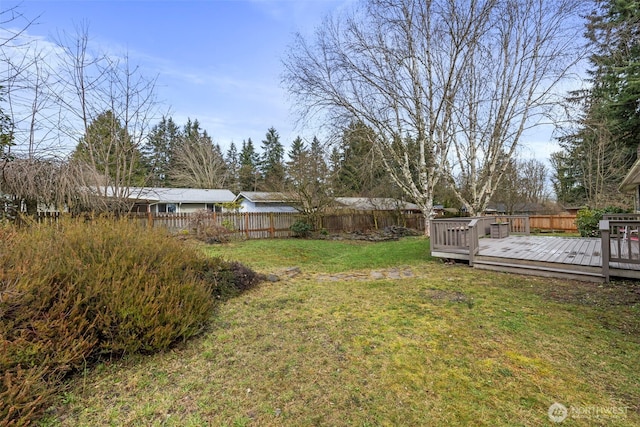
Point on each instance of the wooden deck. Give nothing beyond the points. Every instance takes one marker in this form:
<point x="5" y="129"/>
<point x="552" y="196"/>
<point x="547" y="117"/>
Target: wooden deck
<point x="562" y="257"/>
<point x="562" y="250"/>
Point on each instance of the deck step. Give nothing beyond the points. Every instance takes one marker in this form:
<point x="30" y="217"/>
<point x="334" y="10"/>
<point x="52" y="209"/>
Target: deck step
<point x="561" y="272"/>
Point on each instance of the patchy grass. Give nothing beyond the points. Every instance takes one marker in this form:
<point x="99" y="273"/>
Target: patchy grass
<point x="447" y="346"/>
<point x="324" y="255"/>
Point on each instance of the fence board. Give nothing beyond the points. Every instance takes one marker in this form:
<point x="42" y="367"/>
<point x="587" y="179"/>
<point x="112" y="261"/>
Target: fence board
<point x="262" y="225"/>
<point x="277" y="224"/>
<point x="554" y="222"/>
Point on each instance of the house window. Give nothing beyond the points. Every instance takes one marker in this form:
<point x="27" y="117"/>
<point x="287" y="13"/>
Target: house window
<point x="213" y="207"/>
<point x="166" y="208"/>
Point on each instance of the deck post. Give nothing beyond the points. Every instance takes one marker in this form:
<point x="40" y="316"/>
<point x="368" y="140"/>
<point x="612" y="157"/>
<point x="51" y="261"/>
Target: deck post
<point x="473" y="240"/>
<point x="606" y="248"/>
<point x="432" y="234"/>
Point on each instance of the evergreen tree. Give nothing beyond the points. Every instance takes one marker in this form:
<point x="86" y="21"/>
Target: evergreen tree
<point x="599" y="151"/>
<point x="614" y="34"/>
<point x="272" y="162"/>
<point x="360" y="171"/>
<point x="295" y="152"/>
<point x="249" y="174"/>
<point x="159" y="151"/>
<point x="232" y="159"/>
<point x="335" y="160"/>
<point x="320" y="170"/>
<point x="108" y="150"/>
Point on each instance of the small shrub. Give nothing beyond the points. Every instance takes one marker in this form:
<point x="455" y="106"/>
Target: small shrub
<point x="227" y="279"/>
<point x="73" y="295"/>
<point x="229" y="225"/>
<point x="301" y="228"/>
<point x="588" y="220"/>
<point x="206" y="229"/>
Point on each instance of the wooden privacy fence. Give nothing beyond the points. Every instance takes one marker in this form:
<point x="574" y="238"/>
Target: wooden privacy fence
<point x="259" y="225"/>
<point x="554" y="222"/>
<point x="274" y="224"/>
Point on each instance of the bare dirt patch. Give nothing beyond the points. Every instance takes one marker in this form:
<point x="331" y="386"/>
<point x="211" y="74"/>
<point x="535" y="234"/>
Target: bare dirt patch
<point x="618" y="293"/>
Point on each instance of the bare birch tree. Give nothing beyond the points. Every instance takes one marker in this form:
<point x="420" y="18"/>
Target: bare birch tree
<point x="93" y="84"/>
<point x="198" y="163"/>
<point x="509" y="86"/>
<point x="56" y="93"/>
<point x="446" y="85"/>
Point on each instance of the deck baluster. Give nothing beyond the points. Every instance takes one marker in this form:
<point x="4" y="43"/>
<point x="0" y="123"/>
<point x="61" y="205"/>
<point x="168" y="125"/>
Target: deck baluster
<point x="606" y="248"/>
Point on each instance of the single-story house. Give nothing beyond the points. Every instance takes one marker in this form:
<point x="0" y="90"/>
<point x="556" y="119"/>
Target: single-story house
<point x="178" y="200"/>
<point x="570" y="210"/>
<point x="262" y="201"/>
<point x="517" y="209"/>
<point x="376" y="204"/>
<point x="631" y="183"/>
<point x="441" y="211"/>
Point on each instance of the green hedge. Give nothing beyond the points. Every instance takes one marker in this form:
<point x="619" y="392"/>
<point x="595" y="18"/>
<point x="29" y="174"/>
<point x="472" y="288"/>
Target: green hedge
<point x="80" y="292"/>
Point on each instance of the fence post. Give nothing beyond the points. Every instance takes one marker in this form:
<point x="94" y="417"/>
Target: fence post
<point x="246" y="224"/>
<point x="606" y="248"/>
<point x="149" y="219"/>
<point x="272" y="232"/>
<point x="432" y="234"/>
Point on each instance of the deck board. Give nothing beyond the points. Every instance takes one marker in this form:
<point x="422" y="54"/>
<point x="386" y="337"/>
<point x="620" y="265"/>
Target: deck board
<point x="562" y="250"/>
<point x="572" y="255"/>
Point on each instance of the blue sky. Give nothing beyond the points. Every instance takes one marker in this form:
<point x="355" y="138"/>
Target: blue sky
<point x="218" y="61"/>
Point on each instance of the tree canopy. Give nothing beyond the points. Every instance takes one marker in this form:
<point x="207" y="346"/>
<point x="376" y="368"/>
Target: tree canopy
<point x="602" y="143"/>
<point x="448" y="87"/>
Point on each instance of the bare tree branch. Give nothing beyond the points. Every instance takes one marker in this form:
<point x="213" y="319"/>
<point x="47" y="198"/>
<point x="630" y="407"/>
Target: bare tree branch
<point x="459" y="79"/>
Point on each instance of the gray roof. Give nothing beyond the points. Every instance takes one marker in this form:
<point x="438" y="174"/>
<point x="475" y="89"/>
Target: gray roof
<point x="375" y="203"/>
<point x="181" y="195"/>
<point x="632" y="180"/>
<point x="264" y="197"/>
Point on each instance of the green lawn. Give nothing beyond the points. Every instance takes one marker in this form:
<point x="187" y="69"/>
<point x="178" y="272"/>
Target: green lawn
<point x="325" y="255"/>
<point x="447" y="346"/>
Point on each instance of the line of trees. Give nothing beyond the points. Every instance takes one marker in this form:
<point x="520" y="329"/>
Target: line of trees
<point x="121" y="139"/>
<point x="427" y="101"/>
<point x="601" y="142"/>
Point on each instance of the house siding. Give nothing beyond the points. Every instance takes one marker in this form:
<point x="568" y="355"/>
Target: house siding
<point x="248" y="206"/>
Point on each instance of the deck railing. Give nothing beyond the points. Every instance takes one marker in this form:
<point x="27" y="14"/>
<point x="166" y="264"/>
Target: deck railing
<point x="461" y="235"/>
<point x="450" y="233"/>
<point x="621" y="217"/>
<point x="620" y="236"/>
